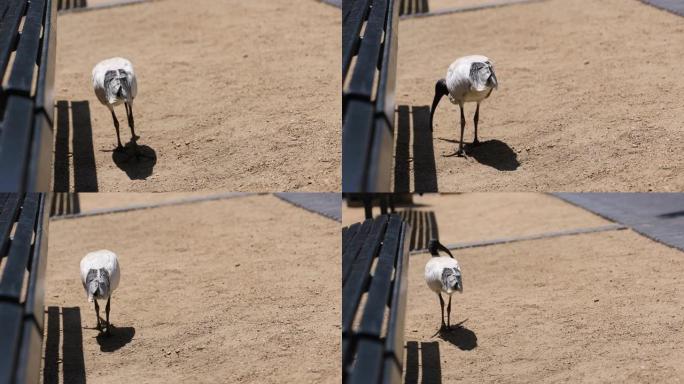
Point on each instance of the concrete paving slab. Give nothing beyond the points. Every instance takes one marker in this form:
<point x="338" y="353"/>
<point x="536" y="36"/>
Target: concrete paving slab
<point x="659" y="216"/>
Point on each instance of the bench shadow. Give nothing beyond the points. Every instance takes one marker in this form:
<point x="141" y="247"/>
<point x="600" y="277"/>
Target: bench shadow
<point x="493" y="153"/>
<point x="423" y="227"/>
<point x="116" y="339"/>
<point x="429" y="366"/>
<point x="416" y="120"/>
<point x="671" y="215"/>
<point x="72" y="361"/>
<point x="409" y="7"/>
<point x="65" y="203"/>
<point x="73" y="118"/>
<point x="136" y="160"/>
<point x="460" y="336"/>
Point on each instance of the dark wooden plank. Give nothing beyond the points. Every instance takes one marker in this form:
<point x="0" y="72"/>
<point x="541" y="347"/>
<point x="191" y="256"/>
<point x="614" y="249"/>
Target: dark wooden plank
<point x="361" y="85"/>
<point x="20" y="251"/>
<point x="30" y="353"/>
<point x="388" y="72"/>
<point x="353" y="248"/>
<point x="46" y="71"/>
<point x="394" y="344"/>
<point x="21" y="78"/>
<point x="352" y="21"/>
<point x="15" y="142"/>
<point x="356" y="143"/>
<point x="8" y="216"/>
<point x="40" y="156"/>
<point x="368" y="367"/>
<point x="356" y="283"/>
<point x="348" y="234"/>
<point x="9" y="30"/>
<point x="381" y="284"/>
<point x="35" y="299"/>
<point x="10" y="337"/>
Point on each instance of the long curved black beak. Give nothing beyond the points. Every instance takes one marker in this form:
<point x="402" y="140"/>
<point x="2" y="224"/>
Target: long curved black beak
<point x="440" y="90"/>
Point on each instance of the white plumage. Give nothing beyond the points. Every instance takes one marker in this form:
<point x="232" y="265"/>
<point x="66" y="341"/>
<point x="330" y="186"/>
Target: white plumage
<point x="115" y="83"/>
<point x="468" y="79"/>
<point x="443" y="275"/>
<point x="100" y="275"/>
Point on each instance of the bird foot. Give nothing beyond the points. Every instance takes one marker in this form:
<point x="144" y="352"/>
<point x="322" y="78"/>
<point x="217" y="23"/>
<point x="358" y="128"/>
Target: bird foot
<point x="458" y="153"/>
<point x="119" y="148"/>
<point x="476" y="142"/>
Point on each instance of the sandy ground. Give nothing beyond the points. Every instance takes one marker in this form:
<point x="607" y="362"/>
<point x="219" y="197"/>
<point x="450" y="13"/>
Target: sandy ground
<point x="225" y="291"/>
<point x="483" y="216"/>
<point x="586" y="99"/>
<point x="233" y="95"/>
<point x="438" y="5"/>
<point x="595" y="308"/>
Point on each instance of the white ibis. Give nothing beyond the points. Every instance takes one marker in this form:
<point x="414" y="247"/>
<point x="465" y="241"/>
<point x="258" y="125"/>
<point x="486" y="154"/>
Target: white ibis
<point x="100" y="276"/>
<point x="469" y="79"/>
<point x="443" y="274"/>
<point x="114" y="83"/>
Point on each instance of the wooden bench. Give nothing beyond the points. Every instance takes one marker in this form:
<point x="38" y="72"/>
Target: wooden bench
<point x="370" y="355"/>
<point x="27" y="61"/>
<point x="21" y="294"/>
<point x="368" y="94"/>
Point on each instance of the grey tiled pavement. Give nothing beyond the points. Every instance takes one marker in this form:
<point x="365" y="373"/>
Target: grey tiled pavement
<point x="659" y="216"/>
<point x="326" y="204"/>
<point x="674" y="6"/>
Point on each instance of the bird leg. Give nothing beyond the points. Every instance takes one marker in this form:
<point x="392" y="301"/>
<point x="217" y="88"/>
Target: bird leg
<point x="448" y="313"/>
<point x="116" y="125"/>
<point x="131" y="121"/>
<point x="441" y="303"/>
<point x="460" y="144"/>
<point x="109" y="298"/>
<point x="477" y="117"/>
<point x="97" y="313"/>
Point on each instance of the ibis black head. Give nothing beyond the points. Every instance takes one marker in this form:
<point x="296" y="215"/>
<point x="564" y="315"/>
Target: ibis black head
<point x="434" y="246"/>
<point x="440" y="90"/>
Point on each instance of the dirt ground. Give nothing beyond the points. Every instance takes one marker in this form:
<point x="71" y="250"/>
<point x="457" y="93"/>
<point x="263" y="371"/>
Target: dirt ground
<point x="586" y="98"/>
<point x="232" y="95"/>
<point x="595" y="308"/>
<point x="483" y="216"/>
<point x="438" y="5"/>
<point x="224" y="291"/>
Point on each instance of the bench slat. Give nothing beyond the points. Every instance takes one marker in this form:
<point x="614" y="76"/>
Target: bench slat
<point x="9" y="30"/>
<point x="388" y="73"/>
<point x="35" y="299"/>
<point x="28" y="369"/>
<point x="369" y="52"/>
<point x="356" y="283"/>
<point x="394" y="344"/>
<point x="351" y="251"/>
<point x="356" y="139"/>
<point x="15" y="141"/>
<point x="10" y="326"/>
<point x="7" y="217"/>
<point x="381" y="284"/>
<point x="46" y="70"/>
<point x="352" y="21"/>
<point x="21" y="78"/>
<point x="20" y="251"/>
<point x="368" y="367"/>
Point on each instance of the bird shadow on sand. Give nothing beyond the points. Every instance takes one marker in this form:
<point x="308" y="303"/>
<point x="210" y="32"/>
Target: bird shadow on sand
<point x="460" y="336"/>
<point x="493" y="153"/>
<point x="116" y="339"/>
<point x="136" y="160"/>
